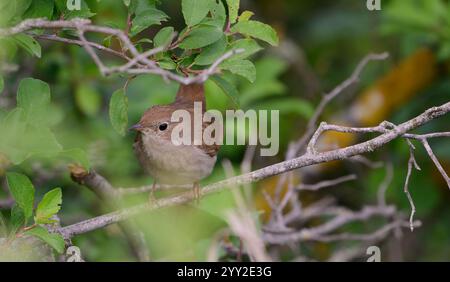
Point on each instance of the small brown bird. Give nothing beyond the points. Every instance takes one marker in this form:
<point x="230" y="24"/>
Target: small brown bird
<point x="166" y="162"/>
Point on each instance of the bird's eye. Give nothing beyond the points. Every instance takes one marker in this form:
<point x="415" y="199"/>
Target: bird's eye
<point x="163" y="126"/>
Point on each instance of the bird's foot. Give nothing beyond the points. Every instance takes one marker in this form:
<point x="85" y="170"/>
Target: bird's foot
<point x="152" y="198"/>
<point x="197" y="193"/>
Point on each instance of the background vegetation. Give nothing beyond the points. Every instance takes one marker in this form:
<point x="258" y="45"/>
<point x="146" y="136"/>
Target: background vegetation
<point x="320" y="43"/>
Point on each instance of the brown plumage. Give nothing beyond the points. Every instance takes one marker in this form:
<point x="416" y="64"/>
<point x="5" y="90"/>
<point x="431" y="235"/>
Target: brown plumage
<point x="164" y="161"/>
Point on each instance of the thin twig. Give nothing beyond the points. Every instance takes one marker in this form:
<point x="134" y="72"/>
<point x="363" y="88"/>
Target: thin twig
<point x="411" y="163"/>
<point x="326" y="183"/>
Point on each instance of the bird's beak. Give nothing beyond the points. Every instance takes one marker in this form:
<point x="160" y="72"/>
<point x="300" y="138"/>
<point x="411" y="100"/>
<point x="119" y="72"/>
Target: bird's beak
<point x="136" y="127"/>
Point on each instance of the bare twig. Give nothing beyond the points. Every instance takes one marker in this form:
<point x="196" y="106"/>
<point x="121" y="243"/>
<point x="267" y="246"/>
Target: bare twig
<point x="385" y="184"/>
<point x="411" y="163"/>
<point x="354" y="78"/>
<point x="326" y="183"/>
<point x="436" y="162"/>
<point x="375" y="236"/>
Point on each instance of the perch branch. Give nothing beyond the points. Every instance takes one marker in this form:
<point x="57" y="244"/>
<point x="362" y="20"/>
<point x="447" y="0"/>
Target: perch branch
<point x="305" y="160"/>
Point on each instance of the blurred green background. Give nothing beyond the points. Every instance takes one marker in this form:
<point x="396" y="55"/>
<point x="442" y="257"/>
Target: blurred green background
<point x="321" y="42"/>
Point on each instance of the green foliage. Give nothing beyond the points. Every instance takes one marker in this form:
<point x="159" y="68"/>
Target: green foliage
<point x="194" y="11"/>
<point x="17" y="219"/>
<point x="84" y="12"/>
<point x="257" y="30"/>
<point x="118" y="111"/>
<point x="146" y="18"/>
<point x="267" y="84"/>
<point x="56" y="241"/>
<point x="23" y="192"/>
<point x="26" y="128"/>
<point x="233" y="9"/>
<point x="163" y="37"/>
<point x="88" y="99"/>
<point x="212" y="52"/>
<point x="249" y="46"/>
<point x="245" y="16"/>
<point x="244" y="68"/>
<point x="201" y="36"/>
<point x="422" y="21"/>
<point x="33" y="96"/>
<point x="40" y="9"/>
<point x="228" y="88"/>
<point x="28" y="43"/>
<point x="48" y="207"/>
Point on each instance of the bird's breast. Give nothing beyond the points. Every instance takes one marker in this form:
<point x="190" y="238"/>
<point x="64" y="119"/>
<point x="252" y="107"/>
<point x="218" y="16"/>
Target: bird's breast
<point x="170" y="164"/>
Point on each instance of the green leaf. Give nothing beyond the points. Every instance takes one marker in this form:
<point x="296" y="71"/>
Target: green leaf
<point x="138" y="6"/>
<point x="56" y="241"/>
<point x="28" y="44"/>
<point x="167" y="64"/>
<point x="33" y="95"/>
<point x="147" y="18"/>
<point x="194" y="11"/>
<point x="2" y="84"/>
<point x="118" y="111"/>
<point x="228" y="88"/>
<point x="201" y="36"/>
<point x="219" y="15"/>
<point x="245" y="16"/>
<point x="143" y="41"/>
<point x="48" y="207"/>
<point x="40" y="9"/>
<point x="212" y="52"/>
<point x="7" y="11"/>
<point x="41" y="141"/>
<point x="233" y="9"/>
<point x="163" y="37"/>
<point x="88" y="99"/>
<point x="244" y="68"/>
<point x="13" y="127"/>
<point x="22" y="191"/>
<point x="250" y="47"/>
<point x="22" y="6"/>
<point x="17" y="218"/>
<point x="257" y="30"/>
<point x="77" y="155"/>
<point x="83" y="13"/>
